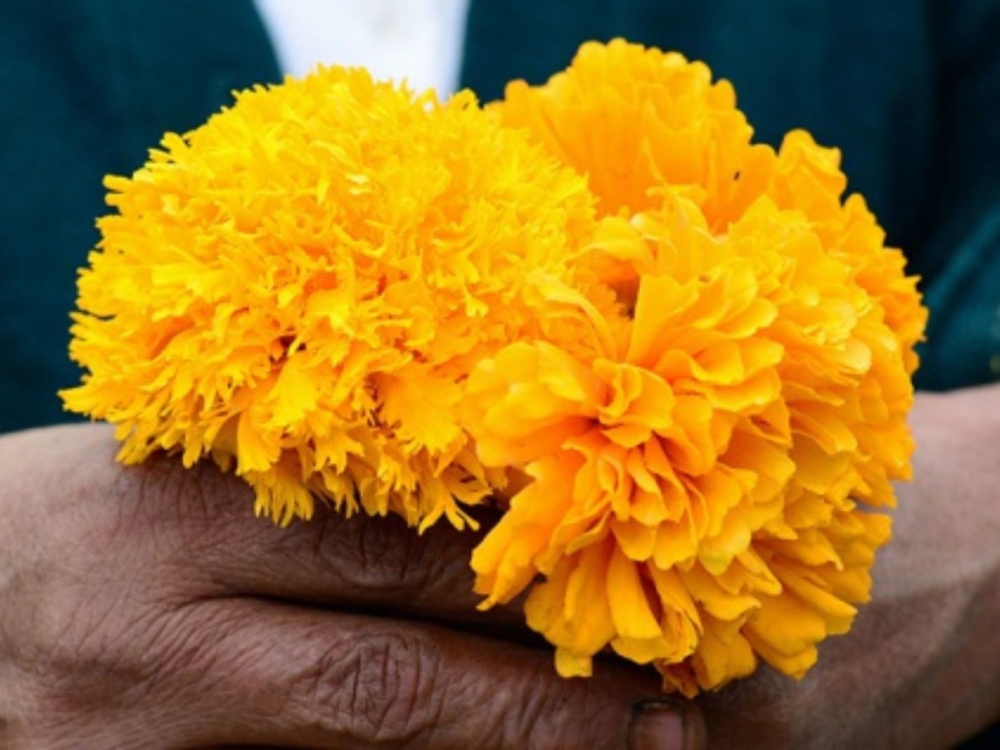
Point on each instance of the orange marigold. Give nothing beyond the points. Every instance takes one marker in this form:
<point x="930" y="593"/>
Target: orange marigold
<point x="634" y="119"/>
<point x="699" y="478"/>
<point x="300" y="286"/>
<point x="689" y="350"/>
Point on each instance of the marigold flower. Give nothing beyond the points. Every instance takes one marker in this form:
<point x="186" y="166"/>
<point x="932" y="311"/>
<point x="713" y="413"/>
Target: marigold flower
<point x="635" y="119"/>
<point x="299" y="287"/>
<point x="701" y="481"/>
<point x="678" y="360"/>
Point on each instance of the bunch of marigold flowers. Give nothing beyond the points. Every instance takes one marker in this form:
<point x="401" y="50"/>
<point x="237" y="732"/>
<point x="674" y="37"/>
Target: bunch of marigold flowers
<point x="678" y="361"/>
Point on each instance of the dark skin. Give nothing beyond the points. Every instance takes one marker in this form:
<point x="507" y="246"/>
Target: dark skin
<point x="146" y="607"/>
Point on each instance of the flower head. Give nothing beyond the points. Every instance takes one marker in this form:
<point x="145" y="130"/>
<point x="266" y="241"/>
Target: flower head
<point x="698" y="479"/>
<point x="635" y="119"/>
<point x="299" y="287"/>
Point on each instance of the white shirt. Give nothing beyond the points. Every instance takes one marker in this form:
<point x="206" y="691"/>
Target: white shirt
<point x="416" y="40"/>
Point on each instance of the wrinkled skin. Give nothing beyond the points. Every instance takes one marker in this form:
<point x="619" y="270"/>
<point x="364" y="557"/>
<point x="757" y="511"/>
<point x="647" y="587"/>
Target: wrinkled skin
<point x="146" y="607"/>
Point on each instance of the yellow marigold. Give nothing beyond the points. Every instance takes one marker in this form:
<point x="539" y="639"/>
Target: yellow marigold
<point x="300" y="286"/>
<point x="634" y="119"/>
<point x="698" y="480"/>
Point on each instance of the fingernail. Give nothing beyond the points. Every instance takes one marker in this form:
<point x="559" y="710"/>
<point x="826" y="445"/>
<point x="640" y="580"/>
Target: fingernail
<point x="663" y="725"/>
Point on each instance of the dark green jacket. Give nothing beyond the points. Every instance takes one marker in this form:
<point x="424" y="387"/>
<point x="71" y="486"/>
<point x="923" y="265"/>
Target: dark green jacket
<point x="909" y="90"/>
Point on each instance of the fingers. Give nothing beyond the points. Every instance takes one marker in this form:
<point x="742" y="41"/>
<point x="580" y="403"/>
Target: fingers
<point x="371" y="563"/>
<point x="101" y="647"/>
<point x="288" y="676"/>
<point x="374" y="564"/>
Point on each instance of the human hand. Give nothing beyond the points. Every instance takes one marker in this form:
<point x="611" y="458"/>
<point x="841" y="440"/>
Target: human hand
<point x="145" y="600"/>
<point x="146" y="607"/>
<point x="919" y="667"/>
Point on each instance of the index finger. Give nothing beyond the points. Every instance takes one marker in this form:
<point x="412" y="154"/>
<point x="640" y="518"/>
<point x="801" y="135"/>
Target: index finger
<point x="360" y="563"/>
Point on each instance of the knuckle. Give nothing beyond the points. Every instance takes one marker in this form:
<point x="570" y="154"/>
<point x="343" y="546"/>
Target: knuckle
<point x="373" y="687"/>
<point x="374" y="554"/>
